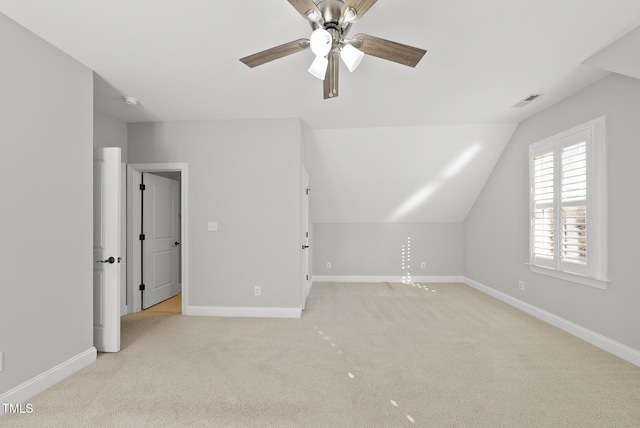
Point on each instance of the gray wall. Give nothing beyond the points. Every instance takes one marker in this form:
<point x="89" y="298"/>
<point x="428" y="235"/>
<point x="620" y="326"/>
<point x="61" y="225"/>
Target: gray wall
<point x="109" y="132"/>
<point x="46" y="116"/>
<point x="375" y="249"/>
<point x="496" y="229"/>
<point x="245" y="175"/>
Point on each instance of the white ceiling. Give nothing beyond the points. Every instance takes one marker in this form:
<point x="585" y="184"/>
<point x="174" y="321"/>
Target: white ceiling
<point x="181" y="60"/>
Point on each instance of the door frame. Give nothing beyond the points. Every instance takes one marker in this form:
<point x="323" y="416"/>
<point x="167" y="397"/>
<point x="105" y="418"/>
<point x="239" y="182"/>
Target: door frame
<point x="306" y="240"/>
<point x="134" y="179"/>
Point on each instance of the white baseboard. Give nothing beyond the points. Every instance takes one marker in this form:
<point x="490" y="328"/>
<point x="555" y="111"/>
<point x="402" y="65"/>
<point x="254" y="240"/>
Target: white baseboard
<point x="355" y="278"/>
<point x="34" y="386"/>
<point x="616" y="348"/>
<point x="247" y="312"/>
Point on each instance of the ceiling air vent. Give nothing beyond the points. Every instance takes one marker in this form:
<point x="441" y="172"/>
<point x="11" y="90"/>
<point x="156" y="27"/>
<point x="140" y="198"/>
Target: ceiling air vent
<point x="527" y="100"/>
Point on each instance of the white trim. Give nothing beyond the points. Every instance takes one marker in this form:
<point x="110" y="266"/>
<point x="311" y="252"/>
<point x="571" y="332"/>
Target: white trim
<point x="355" y="278"/>
<point x="594" y="272"/>
<point x="124" y="302"/>
<point x="32" y="387"/>
<point x="602" y="284"/>
<point x="245" y="312"/>
<point x="305" y="256"/>
<point x="133" y="273"/>
<point x="616" y="348"/>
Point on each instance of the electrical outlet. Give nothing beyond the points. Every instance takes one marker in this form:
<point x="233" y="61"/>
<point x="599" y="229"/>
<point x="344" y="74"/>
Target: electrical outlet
<point x="257" y="290"/>
<point x="521" y="285"/>
<point x="423" y="265"/>
<point x="328" y="265"/>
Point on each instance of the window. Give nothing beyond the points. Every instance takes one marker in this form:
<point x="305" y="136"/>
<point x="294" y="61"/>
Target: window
<point x="568" y="205"/>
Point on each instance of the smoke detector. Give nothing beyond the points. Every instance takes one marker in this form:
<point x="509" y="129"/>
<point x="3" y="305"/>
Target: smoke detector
<point x="130" y="101"/>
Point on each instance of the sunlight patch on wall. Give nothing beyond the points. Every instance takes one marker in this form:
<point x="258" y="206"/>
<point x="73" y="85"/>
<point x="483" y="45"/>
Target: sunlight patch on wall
<point x="415" y="200"/>
<point x="406" y="261"/>
<point x="421" y="196"/>
<point x="460" y="162"/>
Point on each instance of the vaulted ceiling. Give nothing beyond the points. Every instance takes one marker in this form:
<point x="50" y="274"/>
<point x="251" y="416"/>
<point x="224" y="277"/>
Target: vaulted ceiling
<point x="399" y="143"/>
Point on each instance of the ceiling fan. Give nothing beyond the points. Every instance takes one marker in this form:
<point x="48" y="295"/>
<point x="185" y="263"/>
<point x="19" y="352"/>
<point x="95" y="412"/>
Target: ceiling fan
<point x="331" y="20"/>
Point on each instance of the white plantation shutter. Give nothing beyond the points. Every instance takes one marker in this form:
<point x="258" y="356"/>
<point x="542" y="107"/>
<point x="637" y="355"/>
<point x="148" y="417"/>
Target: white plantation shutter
<point x="568" y="205"/>
<point x="573" y="201"/>
<point x="543" y="223"/>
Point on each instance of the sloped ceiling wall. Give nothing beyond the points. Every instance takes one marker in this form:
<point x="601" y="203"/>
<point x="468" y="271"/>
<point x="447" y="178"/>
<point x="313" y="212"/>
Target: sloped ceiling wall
<point x="401" y="174"/>
<point x="621" y="56"/>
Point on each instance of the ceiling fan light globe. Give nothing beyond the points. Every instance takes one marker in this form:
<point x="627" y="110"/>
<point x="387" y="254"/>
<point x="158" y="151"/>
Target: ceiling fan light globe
<point x="351" y="56"/>
<point x="319" y="67"/>
<point x="321" y="42"/>
<point x="312" y="16"/>
<point x="350" y="15"/>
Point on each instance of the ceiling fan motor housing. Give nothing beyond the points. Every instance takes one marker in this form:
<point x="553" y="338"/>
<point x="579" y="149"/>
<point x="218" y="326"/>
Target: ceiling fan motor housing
<point x="332" y="20"/>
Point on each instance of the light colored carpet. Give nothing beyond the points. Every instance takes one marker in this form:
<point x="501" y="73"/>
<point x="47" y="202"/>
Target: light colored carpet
<point x="362" y="355"/>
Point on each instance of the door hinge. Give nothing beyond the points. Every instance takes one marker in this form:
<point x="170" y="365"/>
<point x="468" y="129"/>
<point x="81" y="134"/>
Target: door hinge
<point x="307" y="277"/>
<point x="142" y="236"/>
<point x="142" y="287"/>
<point x="308" y="190"/>
<point x="143" y="187"/>
<point x="307" y="234"/>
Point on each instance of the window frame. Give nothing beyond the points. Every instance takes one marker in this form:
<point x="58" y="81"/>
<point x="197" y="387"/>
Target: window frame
<point x="594" y="272"/>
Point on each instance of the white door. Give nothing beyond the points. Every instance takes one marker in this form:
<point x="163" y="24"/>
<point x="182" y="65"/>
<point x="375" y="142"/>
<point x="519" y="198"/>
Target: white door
<point x="305" y="237"/>
<point x="160" y="246"/>
<point x="124" y="304"/>
<point x="106" y="249"/>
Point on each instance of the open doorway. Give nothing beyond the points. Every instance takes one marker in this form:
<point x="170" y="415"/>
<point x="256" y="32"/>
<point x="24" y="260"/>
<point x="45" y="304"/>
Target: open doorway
<point x="173" y="305"/>
<point x="159" y="237"/>
<point x="138" y="177"/>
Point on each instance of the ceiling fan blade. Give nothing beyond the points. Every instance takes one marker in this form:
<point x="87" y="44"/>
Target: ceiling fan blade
<point x="304" y="7"/>
<point x="392" y="51"/>
<point x="330" y="84"/>
<point x="275" y="53"/>
<point x="360" y="6"/>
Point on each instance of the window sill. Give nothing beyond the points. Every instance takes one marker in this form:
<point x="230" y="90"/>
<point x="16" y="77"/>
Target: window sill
<point x="602" y="284"/>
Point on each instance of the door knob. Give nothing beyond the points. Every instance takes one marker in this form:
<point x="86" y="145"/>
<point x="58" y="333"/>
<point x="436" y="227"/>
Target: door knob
<point x="176" y="243"/>
<point x="304" y="247"/>
<point x="109" y="260"/>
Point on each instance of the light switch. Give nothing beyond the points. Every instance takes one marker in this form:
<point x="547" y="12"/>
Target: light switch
<point x="213" y="226"/>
